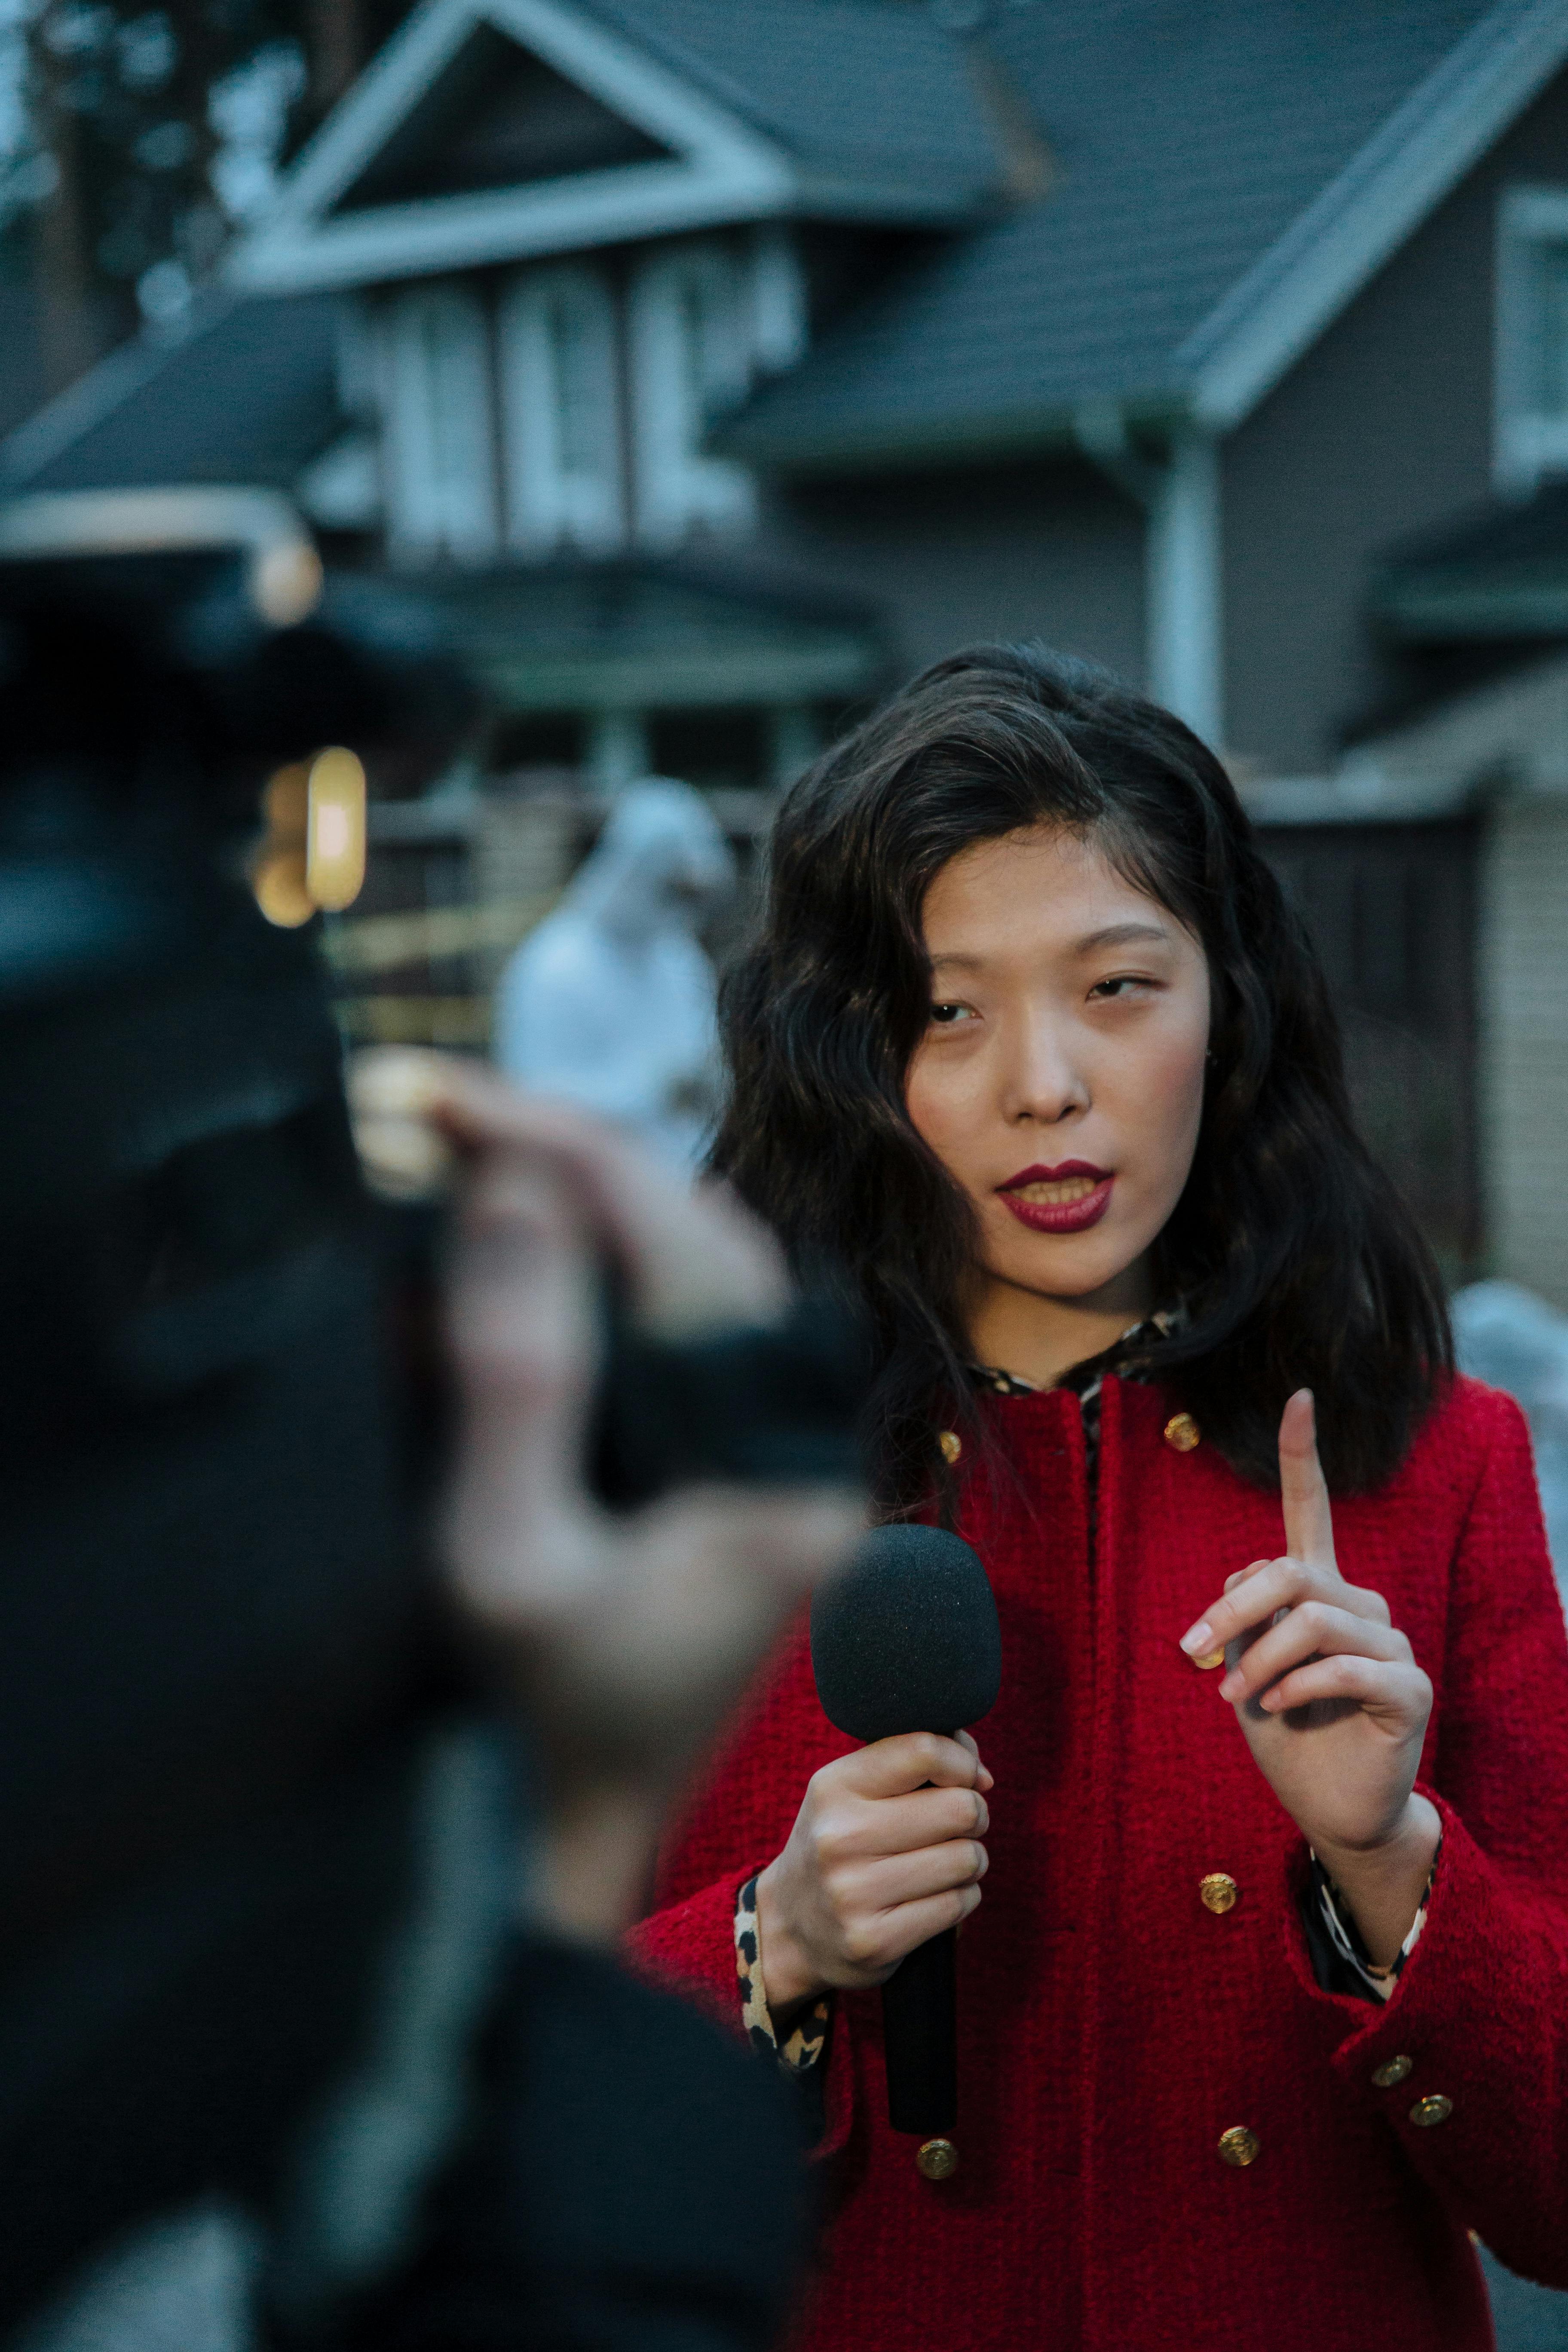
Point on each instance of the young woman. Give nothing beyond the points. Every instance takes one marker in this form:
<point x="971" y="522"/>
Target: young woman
<point x="1266" y="2005"/>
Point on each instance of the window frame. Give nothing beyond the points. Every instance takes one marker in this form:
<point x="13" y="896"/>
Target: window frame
<point x="550" y="504"/>
<point x="1531" y="443"/>
<point x="433" y="509"/>
<point x="679" y="485"/>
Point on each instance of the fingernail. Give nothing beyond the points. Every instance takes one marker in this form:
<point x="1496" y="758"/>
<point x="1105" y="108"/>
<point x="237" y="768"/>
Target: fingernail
<point x="1232" y="1686"/>
<point x="1198" y="1637"/>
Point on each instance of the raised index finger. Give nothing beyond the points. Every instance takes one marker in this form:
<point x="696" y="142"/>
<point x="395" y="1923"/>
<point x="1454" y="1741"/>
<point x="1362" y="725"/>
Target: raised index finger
<point x="1303" y="1489"/>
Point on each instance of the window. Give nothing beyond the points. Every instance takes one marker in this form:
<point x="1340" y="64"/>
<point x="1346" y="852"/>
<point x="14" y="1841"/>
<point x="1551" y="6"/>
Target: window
<point x="440" y="441"/>
<point x="561" y="413"/>
<point x="567" y="406"/>
<point x="1533" y="339"/>
<point x="692" y="356"/>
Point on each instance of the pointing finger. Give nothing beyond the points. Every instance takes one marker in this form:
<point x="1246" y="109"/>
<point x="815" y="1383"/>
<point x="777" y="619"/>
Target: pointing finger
<point x="1303" y="1489"/>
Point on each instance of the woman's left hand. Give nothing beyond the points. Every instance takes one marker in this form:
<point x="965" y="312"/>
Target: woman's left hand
<point x="1331" y="1699"/>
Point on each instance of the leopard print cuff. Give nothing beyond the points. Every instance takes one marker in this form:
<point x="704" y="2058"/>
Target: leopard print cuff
<point x="804" y="2045"/>
<point x="1355" y="1966"/>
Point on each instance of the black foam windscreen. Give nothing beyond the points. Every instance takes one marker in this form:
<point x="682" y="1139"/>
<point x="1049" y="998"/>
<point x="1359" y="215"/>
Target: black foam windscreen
<point x="906" y="1638"/>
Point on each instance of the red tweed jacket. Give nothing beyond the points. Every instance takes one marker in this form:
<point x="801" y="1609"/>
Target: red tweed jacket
<point x="1112" y="2027"/>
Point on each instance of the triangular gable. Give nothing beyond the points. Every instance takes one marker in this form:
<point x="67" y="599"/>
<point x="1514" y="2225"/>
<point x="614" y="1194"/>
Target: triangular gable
<point x="498" y="116"/>
<point x="488" y="130"/>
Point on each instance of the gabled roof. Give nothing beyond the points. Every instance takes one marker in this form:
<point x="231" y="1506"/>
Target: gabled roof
<point x="1228" y="177"/>
<point x="859" y="93"/>
<point x="1225" y="179"/>
<point x="604" y="119"/>
<point x="248" y="394"/>
<point x="557" y="636"/>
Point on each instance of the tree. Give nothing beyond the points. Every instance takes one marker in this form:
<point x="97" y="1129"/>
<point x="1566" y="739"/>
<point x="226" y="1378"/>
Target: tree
<point x="134" y="140"/>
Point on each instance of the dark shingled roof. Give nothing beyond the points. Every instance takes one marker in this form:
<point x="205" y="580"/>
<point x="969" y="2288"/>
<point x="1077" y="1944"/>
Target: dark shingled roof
<point x="1187" y="141"/>
<point x="862" y="90"/>
<point x="549" y="636"/>
<point x="248" y="395"/>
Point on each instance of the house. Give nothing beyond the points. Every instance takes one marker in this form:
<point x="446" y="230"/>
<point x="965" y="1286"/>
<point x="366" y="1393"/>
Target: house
<point x="716" y="361"/>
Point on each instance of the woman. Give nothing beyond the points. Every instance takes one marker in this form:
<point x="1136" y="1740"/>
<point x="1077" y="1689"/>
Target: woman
<point x="1266" y="2005"/>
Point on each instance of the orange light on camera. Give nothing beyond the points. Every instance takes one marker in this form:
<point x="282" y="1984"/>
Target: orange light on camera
<point x="334" y="833"/>
<point x="279" y="884"/>
<point x="314" y="850"/>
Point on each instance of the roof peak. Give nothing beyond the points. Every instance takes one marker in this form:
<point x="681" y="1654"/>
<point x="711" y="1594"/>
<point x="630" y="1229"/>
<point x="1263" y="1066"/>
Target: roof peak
<point x="598" y="122"/>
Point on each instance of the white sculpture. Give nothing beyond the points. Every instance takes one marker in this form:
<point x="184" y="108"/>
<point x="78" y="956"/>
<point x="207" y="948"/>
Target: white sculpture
<point x="610" y="1001"/>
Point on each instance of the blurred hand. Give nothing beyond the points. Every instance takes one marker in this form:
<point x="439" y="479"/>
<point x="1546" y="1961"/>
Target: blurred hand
<point x="626" y="1639"/>
<point x="885" y="1853"/>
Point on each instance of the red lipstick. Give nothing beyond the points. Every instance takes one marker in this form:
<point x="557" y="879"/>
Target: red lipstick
<point x="1064" y="1200"/>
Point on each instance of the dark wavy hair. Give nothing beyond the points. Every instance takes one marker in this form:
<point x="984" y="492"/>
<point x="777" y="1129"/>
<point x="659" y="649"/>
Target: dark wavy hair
<point x="1295" y="1259"/>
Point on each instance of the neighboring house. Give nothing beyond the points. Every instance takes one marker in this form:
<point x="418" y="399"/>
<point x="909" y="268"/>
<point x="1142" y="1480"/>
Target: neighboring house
<point x="1475" y="750"/>
<point x="716" y="361"/>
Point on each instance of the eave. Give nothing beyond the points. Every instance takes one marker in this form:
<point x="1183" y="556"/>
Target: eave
<point x="930" y="444"/>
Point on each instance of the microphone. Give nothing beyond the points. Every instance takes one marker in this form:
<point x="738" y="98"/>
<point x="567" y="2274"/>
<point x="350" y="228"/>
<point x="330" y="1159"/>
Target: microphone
<point x="906" y="1639"/>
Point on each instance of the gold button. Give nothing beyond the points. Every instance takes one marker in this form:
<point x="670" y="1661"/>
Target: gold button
<point x="952" y="1446"/>
<point x="937" y="2159"/>
<point x="1392" y="2072"/>
<point x="1238" y="2145"/>
<point x="1218" y="1891"/>
<point x="1433" y="2109"/>
<point x="1181" y="1433"/>
<point x="1209" y="1661"/>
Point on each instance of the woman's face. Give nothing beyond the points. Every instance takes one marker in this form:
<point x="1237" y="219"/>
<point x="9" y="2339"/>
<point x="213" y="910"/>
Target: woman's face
<point x="1061" y="1078"/>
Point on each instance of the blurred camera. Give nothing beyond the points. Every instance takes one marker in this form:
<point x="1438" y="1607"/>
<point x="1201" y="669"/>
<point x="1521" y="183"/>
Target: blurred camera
<point x="220" y="1639"/>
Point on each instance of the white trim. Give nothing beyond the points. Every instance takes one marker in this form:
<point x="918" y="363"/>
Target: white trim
<point x="1358" y="795"/>
<point x="617" y="751"/>
<point x="52" y="523"/>
<point x="550" y="501"/>
<point x="778" y="295"/>
<point x="1511" y="733"/>
<point x="1529" y="441"/>
<point x="439" y="448"/>
<point x="689" y="327"/>
<point x="1330" y="250"/>
<point x="562" y="217"/>
<point x="721" y="170"/>
<point x="283" y="569"/>
<point x="1184" y="613"/>
<point x="1185" y="617"/>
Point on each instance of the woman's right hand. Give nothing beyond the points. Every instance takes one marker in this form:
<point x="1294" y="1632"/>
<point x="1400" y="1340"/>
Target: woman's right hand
<point x="885" y="1854"/>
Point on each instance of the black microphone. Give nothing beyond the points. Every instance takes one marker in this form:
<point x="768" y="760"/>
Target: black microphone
<point x="906" y="1639"/>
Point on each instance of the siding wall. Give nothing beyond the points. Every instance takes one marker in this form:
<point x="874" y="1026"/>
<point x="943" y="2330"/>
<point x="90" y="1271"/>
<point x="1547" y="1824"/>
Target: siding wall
<point x="1524" y="1044"/>
<point x="1045" y="550"/>
<point x="1384" y="429"/>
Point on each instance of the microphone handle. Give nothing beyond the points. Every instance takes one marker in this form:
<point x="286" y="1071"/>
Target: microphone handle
<point x="919" y="2036"/>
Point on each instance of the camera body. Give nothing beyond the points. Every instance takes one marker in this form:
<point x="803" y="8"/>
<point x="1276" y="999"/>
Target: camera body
<point x="216" y="1654"/>
<point x="221" y="1644"/>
